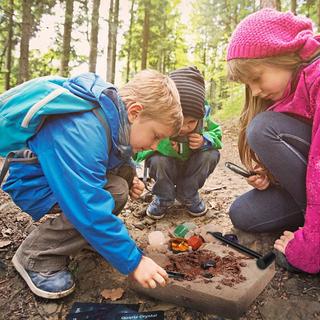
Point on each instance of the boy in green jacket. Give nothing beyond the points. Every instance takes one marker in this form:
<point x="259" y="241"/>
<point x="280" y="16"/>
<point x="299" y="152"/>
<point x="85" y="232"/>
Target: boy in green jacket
<point x="181" y="165"/>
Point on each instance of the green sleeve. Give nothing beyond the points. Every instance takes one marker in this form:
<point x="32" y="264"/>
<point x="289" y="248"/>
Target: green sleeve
<point x="140" y="156"/>
<point x="212" y="132"/>
<point x="164" y="148"/>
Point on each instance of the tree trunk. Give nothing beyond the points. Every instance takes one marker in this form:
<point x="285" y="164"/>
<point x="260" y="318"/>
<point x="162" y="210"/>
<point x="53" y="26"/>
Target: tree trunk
<point x="94" y="36"/>
<point x="66" y="45"/>
<point x="278" y="5"/>
<point x="110" y="44"/>
<point x="24" y="43"/>
<point x="212" y="89"/>
<point x="130" y="40"/>
<point x="308" y="6"/>
<point x="294" y="6"/>
<point x="163" y="50"/>
<point x="204" y="54"/>
<point x="228" y="18"/>
<point x="146" y="31"/>
<point x="114" y="40"/>
<point x="9" y="46"/>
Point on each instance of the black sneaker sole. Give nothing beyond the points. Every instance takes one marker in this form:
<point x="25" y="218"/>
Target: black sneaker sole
<point x="153" y="216"/>
<point x="200" y="214"/>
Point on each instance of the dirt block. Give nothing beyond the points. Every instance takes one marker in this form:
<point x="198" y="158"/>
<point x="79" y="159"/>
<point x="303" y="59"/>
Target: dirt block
<point x="217" y="295"/>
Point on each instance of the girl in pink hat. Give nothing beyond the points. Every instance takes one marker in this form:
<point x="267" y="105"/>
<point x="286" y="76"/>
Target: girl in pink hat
<point x="276" y="55"/>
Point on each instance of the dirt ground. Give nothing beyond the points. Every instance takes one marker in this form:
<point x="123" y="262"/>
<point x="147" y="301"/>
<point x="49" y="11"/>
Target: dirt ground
<point x="288" y="296"/>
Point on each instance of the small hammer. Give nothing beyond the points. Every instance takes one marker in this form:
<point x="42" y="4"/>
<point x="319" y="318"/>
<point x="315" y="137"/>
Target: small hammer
<point x="262" y="261"/>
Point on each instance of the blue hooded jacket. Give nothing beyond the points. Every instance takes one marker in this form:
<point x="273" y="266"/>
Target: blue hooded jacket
<point x="73" y="162"/>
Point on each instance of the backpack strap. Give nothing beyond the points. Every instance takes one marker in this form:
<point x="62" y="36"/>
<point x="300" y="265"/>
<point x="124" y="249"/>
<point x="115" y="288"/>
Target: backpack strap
<point x="5" y="166"/>
<point x="24" y="155"/>
<point x="27" y="156"/>
<point x="101" y="117"/>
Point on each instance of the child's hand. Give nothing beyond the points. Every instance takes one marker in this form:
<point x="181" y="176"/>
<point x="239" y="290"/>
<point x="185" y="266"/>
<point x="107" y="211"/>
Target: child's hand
<point x="282" y="243"/>
<point x="259" y="181"/>
<point x="148" y="274"/>
<point x="175" y="145"/>
<point x="136" y="189"/>
<point x="196" y="140"/>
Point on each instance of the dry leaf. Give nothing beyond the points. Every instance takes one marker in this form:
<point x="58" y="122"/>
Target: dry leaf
<point x="113" y="294"/>
<point x="4" y="243"/>
<point x="20" y="217"/>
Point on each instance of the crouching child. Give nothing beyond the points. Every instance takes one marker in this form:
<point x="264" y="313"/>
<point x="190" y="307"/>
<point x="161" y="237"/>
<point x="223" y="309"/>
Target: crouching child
<point x="79" y="166"/>
<point x="181" y="164"/>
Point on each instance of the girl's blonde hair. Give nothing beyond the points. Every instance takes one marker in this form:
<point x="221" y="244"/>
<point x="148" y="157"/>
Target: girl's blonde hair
<point x="242" y="70"/>
<point x="158" y="95"/>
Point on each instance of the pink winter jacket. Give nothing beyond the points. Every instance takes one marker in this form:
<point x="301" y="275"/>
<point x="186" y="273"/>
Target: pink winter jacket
<point x="303" y="251"/>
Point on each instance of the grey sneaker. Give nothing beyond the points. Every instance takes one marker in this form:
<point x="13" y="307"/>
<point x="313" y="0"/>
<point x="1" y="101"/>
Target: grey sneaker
<point x="51" y="286"/>
<point x="197" y="209"/>
<point x="157" y="211"/>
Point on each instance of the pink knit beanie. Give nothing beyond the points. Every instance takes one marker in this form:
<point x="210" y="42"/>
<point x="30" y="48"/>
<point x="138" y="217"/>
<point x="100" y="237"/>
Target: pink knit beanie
<point x="268" y="32"/>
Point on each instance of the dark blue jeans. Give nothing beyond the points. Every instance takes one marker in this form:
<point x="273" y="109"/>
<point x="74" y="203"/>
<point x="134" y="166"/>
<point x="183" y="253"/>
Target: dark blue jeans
<point x="282" y="144"/>
<point x="176" y="179"/>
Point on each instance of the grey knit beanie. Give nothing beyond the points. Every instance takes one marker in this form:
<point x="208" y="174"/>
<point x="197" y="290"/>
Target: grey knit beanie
<point x="190" y="84"/>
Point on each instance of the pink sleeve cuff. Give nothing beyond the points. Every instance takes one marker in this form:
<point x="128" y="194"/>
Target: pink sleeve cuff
<point x="303" y="252"/>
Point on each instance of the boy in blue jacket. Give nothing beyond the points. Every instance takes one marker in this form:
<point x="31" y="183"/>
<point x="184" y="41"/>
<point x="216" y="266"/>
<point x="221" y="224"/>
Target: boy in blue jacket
<point x="77" y="177"/>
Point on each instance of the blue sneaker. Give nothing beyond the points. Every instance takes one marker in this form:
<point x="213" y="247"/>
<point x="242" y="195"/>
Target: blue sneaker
<point x="51" y="286"/>
<point x="157" y="211"/>
<point x="197" y="209"/>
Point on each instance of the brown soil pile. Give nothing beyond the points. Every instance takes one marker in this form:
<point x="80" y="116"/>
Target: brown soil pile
<point x="228" y="266"/>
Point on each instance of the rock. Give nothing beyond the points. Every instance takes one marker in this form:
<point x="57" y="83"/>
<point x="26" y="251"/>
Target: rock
<point x="156" y="238"/>
<point x="226" y="301"/>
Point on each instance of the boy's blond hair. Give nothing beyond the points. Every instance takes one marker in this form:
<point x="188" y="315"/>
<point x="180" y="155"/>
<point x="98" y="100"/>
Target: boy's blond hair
<point x="158" y="95"/>
<point x="241" y="70"/>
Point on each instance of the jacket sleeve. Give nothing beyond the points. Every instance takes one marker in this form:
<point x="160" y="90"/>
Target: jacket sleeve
<point x="303" y="251"/>
<point x="142" y="155"/>
<point x="212" y="133"/>
<point x="72" y="153"/>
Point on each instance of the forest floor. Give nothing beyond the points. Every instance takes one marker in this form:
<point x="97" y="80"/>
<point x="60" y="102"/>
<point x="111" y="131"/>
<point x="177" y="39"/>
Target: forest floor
<point x="288" y="296"/>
